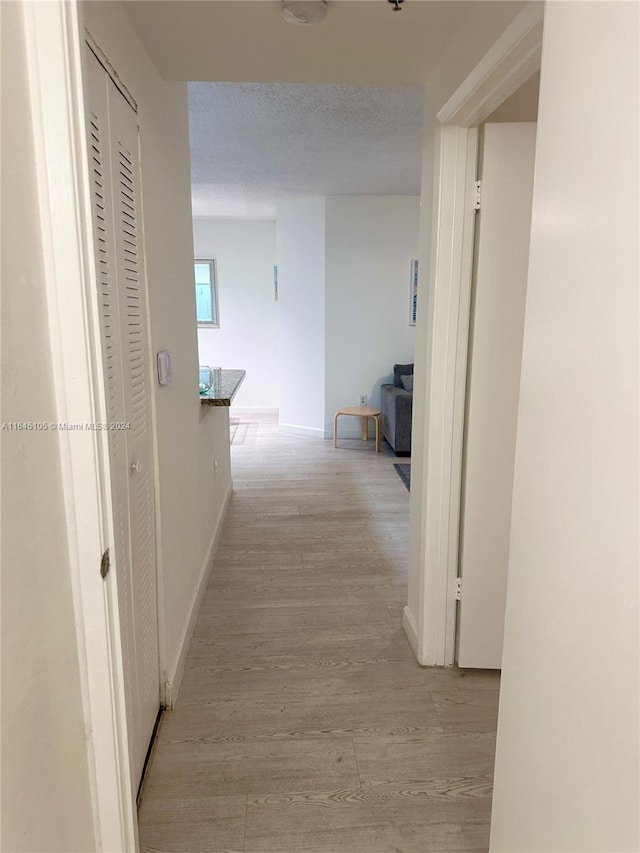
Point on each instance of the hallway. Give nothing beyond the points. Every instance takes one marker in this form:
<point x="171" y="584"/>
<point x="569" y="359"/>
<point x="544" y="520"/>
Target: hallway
<point x="303" y="721"/>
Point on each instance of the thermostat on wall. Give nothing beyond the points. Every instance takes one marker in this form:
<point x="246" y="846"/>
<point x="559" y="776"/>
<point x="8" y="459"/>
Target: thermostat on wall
<point x="164" y="367"/>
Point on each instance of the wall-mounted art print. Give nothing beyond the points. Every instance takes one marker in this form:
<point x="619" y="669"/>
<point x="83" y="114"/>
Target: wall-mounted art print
<point x="413" y="293"/>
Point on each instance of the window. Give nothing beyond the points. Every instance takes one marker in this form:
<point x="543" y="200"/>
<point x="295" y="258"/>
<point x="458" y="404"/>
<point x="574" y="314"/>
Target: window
<point x="206" y="293"/>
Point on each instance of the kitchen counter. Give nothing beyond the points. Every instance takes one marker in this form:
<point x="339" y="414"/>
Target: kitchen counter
<point x="224" y="389"/>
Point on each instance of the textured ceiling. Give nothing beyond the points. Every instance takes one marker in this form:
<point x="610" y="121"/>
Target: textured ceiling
<point x="254" y="144"/>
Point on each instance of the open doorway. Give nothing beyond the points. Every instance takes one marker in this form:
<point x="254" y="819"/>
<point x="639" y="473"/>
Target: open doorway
<point x="499" y="282"/>
<point x="308" y="199"/>
<point x="430" y="618"/>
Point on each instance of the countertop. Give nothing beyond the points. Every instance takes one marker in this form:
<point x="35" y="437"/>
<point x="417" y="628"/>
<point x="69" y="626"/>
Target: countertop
<point x="223" y="390"/>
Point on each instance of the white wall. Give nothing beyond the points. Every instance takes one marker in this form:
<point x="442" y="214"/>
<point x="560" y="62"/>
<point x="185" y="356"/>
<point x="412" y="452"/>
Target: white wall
<point x="245" y="253"/>
<point x="301" y="307"/>
<point x="567" y="766"/>
<point x="344" y="268"/>
<point x="370" y="241"/>
<point x="189" y="437"/>
<point x="45" y="780"/>
<point x="521" y="106"/>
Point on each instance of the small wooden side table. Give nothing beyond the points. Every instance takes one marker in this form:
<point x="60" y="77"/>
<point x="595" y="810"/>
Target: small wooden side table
<point x="364" y="412"/>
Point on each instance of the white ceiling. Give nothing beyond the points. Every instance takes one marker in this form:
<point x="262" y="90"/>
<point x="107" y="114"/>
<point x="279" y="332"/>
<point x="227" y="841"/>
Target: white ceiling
<point x="255" y="144"/>
<point x="359" y="42"/>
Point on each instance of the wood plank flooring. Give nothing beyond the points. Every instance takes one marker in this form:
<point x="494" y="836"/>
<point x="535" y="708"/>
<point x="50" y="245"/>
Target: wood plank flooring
<point x="303" y="722"/>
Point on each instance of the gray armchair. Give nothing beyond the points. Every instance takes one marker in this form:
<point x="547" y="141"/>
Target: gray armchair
<point x="397" y="407"/>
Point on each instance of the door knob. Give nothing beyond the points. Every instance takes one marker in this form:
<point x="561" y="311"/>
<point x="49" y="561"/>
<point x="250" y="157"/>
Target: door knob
<point x="136" y="466"/>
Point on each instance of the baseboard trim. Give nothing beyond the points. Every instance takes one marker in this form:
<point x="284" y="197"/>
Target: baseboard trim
<point x="411" y="630"/>
<point x="175" y="673"/>
<point x="251" y="410"/>
<point x="293" y="429"/>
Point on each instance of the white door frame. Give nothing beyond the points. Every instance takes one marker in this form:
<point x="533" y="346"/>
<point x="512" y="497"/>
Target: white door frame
<point x="512" y="59"/>
<point x="55" y="44"/>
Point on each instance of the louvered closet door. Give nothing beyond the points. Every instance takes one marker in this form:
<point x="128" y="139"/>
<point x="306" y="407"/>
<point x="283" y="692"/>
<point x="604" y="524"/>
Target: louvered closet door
<point x="123" y="128"/>
<point x="103" y="231"/>
<point x="112" y="145"/>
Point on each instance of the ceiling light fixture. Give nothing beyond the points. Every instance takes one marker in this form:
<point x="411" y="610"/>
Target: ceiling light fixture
<point x="304" y="12"/>
<point x="397" y="7"/>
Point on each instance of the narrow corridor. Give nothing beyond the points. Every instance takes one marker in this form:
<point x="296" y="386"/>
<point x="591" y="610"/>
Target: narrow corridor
<point x="303" y="722"/>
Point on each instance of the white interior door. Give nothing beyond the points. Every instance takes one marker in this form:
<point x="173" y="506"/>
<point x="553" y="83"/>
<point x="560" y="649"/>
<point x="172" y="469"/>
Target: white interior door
<point x="113" y="154"/>
<point x="503" y="229"/>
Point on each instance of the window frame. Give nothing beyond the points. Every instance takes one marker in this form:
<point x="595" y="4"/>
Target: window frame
<point x="215" y="322"/>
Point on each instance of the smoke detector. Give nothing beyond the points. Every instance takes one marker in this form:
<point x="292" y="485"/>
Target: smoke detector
<point x="304" y="11"/>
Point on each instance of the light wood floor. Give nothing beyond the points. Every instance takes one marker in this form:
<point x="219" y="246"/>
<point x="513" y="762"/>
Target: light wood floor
<point x="303" y="722"/>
